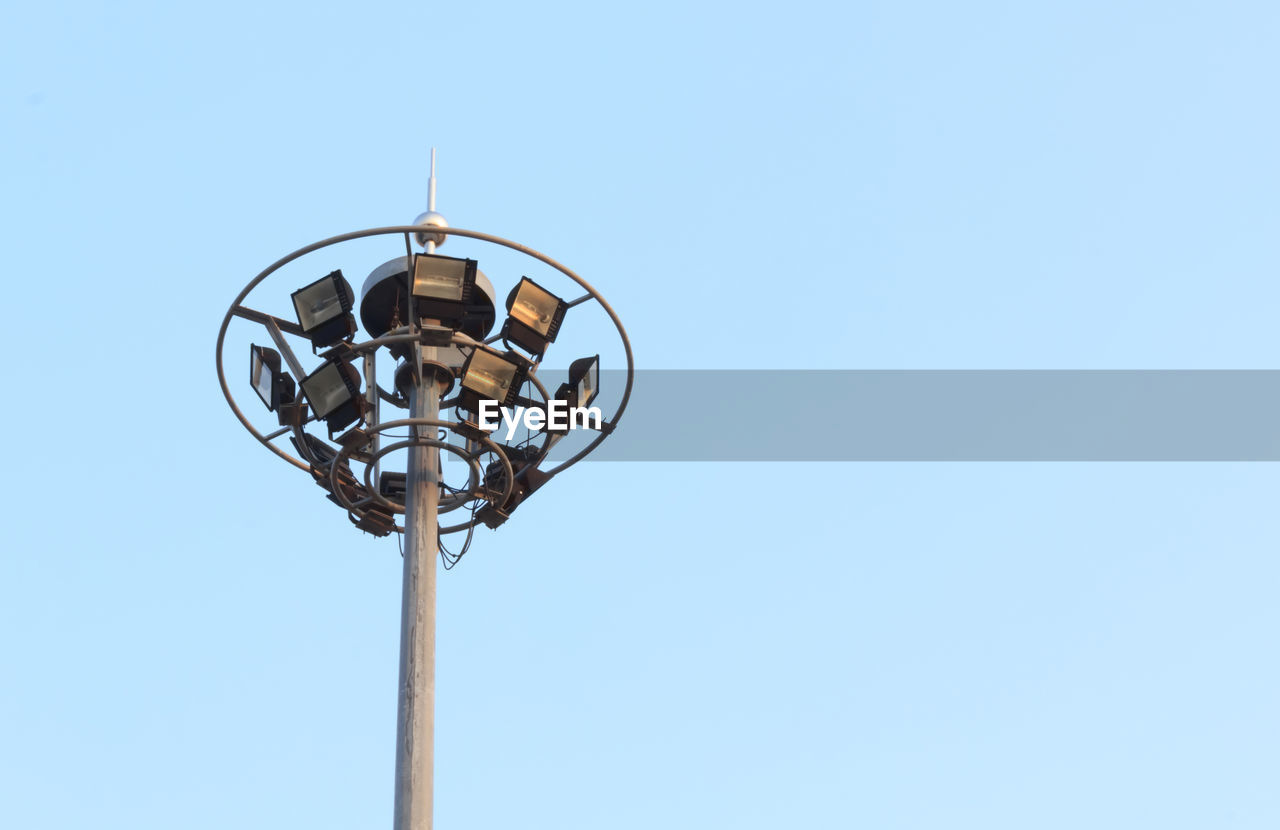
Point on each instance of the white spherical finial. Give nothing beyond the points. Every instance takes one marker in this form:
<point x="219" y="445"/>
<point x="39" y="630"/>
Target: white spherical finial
<point x="431" y="219"/>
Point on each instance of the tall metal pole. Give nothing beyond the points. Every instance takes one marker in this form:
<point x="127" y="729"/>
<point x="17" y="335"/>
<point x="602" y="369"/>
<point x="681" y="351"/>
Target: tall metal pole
<point x="415" y="723"/>
<point x="415" y="728"/>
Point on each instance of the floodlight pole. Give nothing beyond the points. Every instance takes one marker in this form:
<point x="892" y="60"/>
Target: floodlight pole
<point x="428" y="377"/>
<point x="415" y="720"/>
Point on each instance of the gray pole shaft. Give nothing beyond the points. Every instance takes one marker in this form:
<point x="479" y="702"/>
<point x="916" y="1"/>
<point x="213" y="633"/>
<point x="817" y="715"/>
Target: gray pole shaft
<point x="415" y="725"/>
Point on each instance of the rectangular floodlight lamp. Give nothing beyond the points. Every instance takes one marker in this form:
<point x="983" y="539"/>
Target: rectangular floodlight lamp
<point x="489" y="376"/>
<point x="535" y="317"/>
<point x="582" y="387"/>
<point x="442" y="286"/>
<point x="393" y="486"/>
<point x="334" y="393"/>
<point x="528" y="479"/>
<point x="584" y="380"/>
<point x="375" y="520"/>
<point x="324" y="310"/>
<point x="272" y="385"/>
<point x="443" y="278"/>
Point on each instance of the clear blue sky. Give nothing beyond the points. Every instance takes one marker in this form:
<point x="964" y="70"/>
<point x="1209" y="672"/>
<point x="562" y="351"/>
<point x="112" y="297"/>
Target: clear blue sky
<point x="190" y="636"/>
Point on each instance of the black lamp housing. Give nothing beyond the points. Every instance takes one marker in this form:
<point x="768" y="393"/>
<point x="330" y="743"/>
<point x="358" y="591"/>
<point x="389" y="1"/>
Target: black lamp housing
<point x="442" y="286"/>
<point x="494" y="377"/>
<point x="375" y="520"/>
<point x="313" y="450"/>
<point x="272" y="385"/>
<point x="528" y="479"/>
<point x="393" y="486"/>
<point x="584" y="382"/>
<point x="535" y="315"/>
<point x="581" y="389"/>
<point x="333" y="391"/>
<point x="324" y="310"/>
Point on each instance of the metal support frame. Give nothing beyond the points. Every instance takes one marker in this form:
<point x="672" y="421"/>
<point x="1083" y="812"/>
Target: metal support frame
<point x="237" y="310"/>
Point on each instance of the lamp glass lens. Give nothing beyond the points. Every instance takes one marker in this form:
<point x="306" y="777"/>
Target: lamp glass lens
<point x="534" y="307"/>
<point x="326" y="389"/>
<point x="439" y="279"/>
<point x="489" y="375"/>
<point x="263" y="379"/>
<point x="317" y="303"/>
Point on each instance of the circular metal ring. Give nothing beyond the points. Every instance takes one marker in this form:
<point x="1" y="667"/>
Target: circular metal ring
<point x="473" y="461"/>
<point x="489" y="445"/>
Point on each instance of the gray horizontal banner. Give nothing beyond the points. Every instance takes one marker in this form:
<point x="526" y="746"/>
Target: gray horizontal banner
<point x="926" y="415"/>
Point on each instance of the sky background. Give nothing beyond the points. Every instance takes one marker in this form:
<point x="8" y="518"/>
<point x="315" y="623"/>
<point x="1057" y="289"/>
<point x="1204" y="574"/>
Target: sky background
<point x="191" y="636"/>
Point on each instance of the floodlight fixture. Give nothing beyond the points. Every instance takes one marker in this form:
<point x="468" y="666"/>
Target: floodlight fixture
<point x="375" y="520"/>
<point x="578" y="393"/>
<point x="491" y="376"/>
<point x="347" y="483"/>
<point x="311" y="447"/>
<point x="584" y="382"/>
<point x="272" y="385"/>
<point x="393" y="486"/>
<point x="324" y="310"/>
<point x="386" y="294"/>
<point x="528" y="478"/>
<point x="442" y="286"/>
<point x="333" y="391"/>
<point x="535" y="317"/>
